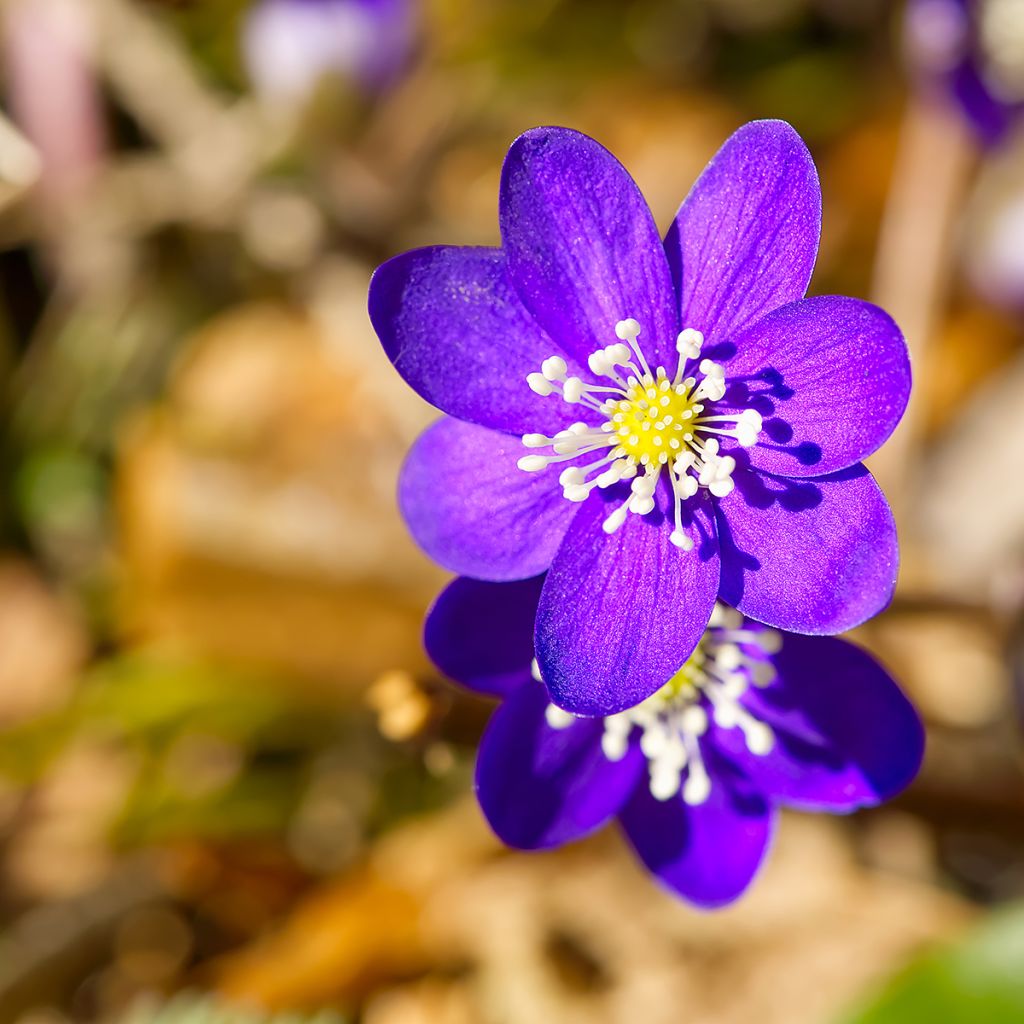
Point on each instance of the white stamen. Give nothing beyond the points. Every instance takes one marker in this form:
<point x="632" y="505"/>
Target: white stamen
<point x="648" y="422"/>
<point x="711" y="686"/>
<point x="553" y="368"/>
<point x="539" y="383"/>
<point x="557" y="718"/>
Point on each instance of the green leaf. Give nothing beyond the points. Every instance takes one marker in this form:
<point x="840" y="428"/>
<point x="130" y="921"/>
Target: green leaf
<point x="981" y="979"/>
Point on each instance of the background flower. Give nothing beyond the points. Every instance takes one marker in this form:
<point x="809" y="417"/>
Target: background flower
<point x="763" y="719"/>
<point x="774" y="511"/>
<point x="973" y="50"/>
<point x="291" y="44"/>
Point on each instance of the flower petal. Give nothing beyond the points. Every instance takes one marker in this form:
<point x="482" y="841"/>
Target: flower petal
<point x="472" y="510"/>
<point x="989" y="116"/>
<point x="845" y="735"/>
<point x="811" y="556"/>
<point x="481" y="634"/>
<point x="831" y="377"/>
<point x="540" y="787"/>
<point x="707" y="854"/>
<point x="620" y="614"/>
<point x="454" y="328"/>
<point x="745" y="239"/>
<point x="583" y="249"/>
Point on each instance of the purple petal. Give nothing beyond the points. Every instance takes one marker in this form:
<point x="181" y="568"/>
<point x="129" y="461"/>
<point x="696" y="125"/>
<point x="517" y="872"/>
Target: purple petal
<point x="583" y="250"/>
<point x="452" y="324"/>
<point x="481" y="634"/>
<point x="831" y="377"/>
<point x="620" y="614"/>
<point x="707" y="854"/>
<point x="540" y="787"/>
<point x="811" y="556"/>
<point x="989" y="116"/>
<point x="745" y="239"/>
<point x="845" y="735"/>
<point x="473" y="511"/>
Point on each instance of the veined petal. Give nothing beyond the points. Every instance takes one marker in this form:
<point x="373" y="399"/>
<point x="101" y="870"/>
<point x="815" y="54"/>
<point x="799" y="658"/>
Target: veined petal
<point x="473" y="510"/>
<point x="845" y="735"/>
<point x="481" y="634"/>
<point x="745" y="239"/>
<point x="708" y="854"/>
<point x="620" y="614"/>
<point x="829" y="375"/>
<point x="454" y="328"/>
<point x="540" y="787"/>
<point x="810" y="556"/>
<point x="582" y="247"/>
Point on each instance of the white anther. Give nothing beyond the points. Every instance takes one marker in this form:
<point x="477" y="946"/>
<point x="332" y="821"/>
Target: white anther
<point x="539" y="384"/>
<point x="620" y="724"/>
<point x="533" y="463"/>
<point x="759" y="738"/>
<point x="641" y="504"/>
<point x="557" y="718"/>
<point x="664" y="782"/>
<point x="553" y="368"/>
<point x="627" y="330"/>
<point x="681" y="540"/>
<point x="697" y="787"/>
<point x="618" y="355"/>
<point x="694" y="720"/>
<point x="689" y="343"/>
<point x="746" y="435"/>
<point x="535" y="440"/>
<point x="535" y="670"/>
<point x="711" y="369"/>
<point x="770" y="641"/>
<point x="614" y="745"/>
<point x="616" y="519"/>
<point x="598" y="363"/>
<point x="729" y="656"/>
<point x="573" y="390"/>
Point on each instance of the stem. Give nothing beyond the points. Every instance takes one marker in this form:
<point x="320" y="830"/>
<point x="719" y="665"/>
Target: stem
<point x="914" y="261"/>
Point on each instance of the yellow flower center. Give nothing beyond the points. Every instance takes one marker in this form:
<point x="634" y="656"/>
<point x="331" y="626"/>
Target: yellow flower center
<point x="655" y="421"/>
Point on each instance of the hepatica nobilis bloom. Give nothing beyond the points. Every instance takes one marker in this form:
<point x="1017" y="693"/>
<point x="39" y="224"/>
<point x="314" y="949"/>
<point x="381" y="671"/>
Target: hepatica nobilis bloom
<point x="656" y="424"/>
<point x="290" y="44"/>
<point x="754" y="719"/>
<point x="975" y="50"/>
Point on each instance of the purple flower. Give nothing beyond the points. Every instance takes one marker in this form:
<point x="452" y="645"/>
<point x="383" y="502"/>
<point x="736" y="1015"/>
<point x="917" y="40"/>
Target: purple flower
<point x="974" y="49"/>
<point x="704" y="424"/>
<point x="290" y="44"/>
<point x="754" y="720"/>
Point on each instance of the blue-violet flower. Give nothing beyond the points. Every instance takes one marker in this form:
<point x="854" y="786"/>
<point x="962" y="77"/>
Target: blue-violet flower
<point x="755" y="719"/>
<point x="290" y="44"/>
<point x="974" y="50"/>
<point x="658" y="425"/>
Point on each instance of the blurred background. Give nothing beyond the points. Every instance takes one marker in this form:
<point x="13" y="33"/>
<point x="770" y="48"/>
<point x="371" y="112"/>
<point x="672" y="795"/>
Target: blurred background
<point x="232" y="789"/>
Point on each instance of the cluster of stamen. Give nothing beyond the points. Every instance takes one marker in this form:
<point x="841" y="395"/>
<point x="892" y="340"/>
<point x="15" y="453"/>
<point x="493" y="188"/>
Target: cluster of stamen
<point x="730" y="658"/>
<point x="651" y="423"/>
